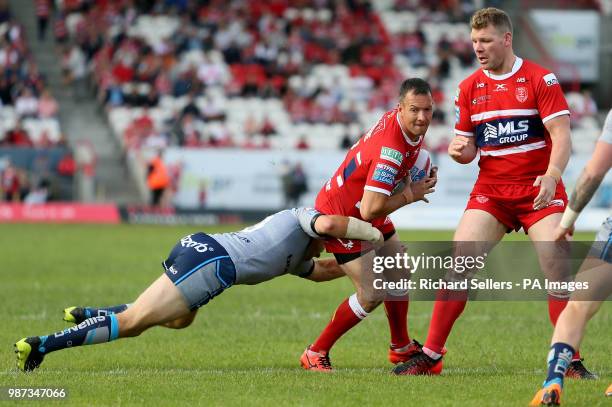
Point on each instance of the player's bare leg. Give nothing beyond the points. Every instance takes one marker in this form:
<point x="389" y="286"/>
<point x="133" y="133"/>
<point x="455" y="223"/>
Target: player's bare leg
<point x="555" y="265"/>
<point x="396" y="305"/>
<point x="160" y="303"/>
<point x="478" y="232"/>
<point x="584" y="303"/>
<point x="348" y="314"/>
<point x="571" y="324"/>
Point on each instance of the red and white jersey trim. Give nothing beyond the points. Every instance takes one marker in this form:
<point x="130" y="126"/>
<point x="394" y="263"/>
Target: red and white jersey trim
<point x="503" y="113"/>
<point x="464" y="133"/>
<point x="552" y="116"/>
<point x="514" y="150"/>
<point x="375" y="189"/>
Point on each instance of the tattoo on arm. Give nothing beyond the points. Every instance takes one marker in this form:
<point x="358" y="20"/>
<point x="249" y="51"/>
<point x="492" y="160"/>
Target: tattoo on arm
<point x="584" y="191"/>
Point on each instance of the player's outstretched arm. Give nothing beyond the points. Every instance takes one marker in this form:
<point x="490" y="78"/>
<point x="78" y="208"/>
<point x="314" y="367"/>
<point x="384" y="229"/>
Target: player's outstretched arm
<point x="593" y="173"/>
<point x="463" y="149"/>
<point x="325" y="270"/>
<point x="344" y="227"/>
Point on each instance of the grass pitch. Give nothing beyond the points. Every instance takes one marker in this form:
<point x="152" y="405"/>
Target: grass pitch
<point x="244" y="346"/>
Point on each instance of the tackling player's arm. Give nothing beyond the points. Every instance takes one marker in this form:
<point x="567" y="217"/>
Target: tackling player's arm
<point x="344" y="227"/>
<point x="325" y="270"/>
<point x="559" y="130"/>
<point x="593" y="173"/>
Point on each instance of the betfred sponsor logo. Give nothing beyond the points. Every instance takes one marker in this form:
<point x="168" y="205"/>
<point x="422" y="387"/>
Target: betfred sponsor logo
<point x="391" y="155"/>
<point x="550" y="79"/>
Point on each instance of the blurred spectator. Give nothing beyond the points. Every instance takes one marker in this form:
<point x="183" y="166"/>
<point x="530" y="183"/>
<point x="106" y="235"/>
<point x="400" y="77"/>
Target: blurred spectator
<point x="47" y="105"/>
<point x="38" y="194"/>
<point x="18" y="137"/>
<point x="212" y="110"/>
<point x="191" y="108"/>
<point x="587" y="106"/>
<point x="267" y="127"/>
<point x="6" y="90"/>
<point x="43" y="10"/>
<point x="11" y="183"/>
<point x="299" y="185"/>
<point x="66" y="167"/>
<point x="75" y="71"/>
<point x="346" y="142"/>
<point x="302" y="144"/>
<point x="157" y="179"/>
<point x="26" y="104"/>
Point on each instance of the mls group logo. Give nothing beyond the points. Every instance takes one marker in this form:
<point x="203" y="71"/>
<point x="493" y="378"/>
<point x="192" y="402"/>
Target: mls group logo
<point x="521" y="94"/>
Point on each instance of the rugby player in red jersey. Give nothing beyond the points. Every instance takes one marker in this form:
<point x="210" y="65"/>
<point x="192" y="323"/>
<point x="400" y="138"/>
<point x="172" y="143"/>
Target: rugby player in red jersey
<point x="362" y="187"/>
<point x="514" y="113"/>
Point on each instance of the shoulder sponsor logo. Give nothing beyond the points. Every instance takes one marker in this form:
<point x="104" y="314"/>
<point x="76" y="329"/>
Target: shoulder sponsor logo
<point x="500" y="87"/>
<point x="482" y="199"/>
<point x="521" y="94"/>
<point x="173" y="270"/>
<point x="388" y="168"/>
<point x="521" y="80"/>
<point x="480" y="85"/>
<point x="550" y="79"/>
<point x="392" y="155"/>
<point x="383" y="175"/>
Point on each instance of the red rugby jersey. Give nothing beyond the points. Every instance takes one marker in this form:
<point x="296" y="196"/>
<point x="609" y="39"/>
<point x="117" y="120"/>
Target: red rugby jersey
<point x="506" y="113"/>
<point x="377" y="162"/>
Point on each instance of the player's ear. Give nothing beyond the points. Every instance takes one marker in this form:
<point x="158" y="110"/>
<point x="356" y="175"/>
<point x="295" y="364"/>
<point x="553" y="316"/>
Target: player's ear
<point x="508" y="39"/>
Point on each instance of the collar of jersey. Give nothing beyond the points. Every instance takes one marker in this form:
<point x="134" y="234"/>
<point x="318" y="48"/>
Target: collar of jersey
<point x="517" y="65"/>
<point x="408" y="140"/>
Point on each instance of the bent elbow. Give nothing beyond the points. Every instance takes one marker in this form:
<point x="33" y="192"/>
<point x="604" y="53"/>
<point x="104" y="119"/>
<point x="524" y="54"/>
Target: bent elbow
<point x="368" y="214"/>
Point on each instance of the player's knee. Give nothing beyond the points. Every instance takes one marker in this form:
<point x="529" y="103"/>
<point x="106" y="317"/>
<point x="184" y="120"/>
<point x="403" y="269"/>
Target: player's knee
<point x="369" y="300"/>
<point x="583" y="309"/>
<point x="180" y="323"/>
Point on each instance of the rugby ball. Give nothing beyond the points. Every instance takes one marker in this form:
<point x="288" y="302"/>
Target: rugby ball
<point x="420" y="169"/>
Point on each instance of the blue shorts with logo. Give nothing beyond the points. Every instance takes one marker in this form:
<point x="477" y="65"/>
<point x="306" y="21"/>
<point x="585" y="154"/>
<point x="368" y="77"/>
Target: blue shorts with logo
<point x="200" y="268"/>
<point x="602" y="246"/>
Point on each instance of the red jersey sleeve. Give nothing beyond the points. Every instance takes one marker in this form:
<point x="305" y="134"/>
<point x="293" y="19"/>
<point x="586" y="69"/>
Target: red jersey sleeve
<point x="385" y="165"/>
<point x="550" y="99"/>
<point x="463" y="120"/>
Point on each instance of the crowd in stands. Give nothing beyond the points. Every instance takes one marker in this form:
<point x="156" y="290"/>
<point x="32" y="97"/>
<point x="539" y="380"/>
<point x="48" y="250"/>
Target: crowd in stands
<point x="167" y="71"/>
<point x="28" y="111"/>
<point x="28" y="120"/>
<point x="281" y="73"/>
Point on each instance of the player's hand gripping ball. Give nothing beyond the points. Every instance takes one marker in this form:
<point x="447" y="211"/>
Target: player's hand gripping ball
<point x="421" y="169"/>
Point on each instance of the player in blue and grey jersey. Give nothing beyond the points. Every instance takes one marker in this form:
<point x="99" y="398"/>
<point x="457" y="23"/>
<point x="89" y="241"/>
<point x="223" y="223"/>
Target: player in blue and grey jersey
<point x="201" y="267"/>
<point x="596" y="271"/>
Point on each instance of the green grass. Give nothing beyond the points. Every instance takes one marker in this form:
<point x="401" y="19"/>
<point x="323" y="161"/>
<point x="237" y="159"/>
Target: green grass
<point x="244" y="346"/>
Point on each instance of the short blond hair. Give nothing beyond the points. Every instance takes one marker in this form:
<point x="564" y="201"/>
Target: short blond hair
<point x="491" y="16"/>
